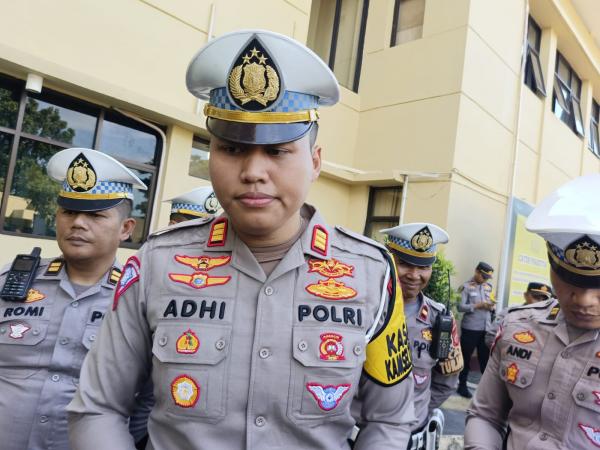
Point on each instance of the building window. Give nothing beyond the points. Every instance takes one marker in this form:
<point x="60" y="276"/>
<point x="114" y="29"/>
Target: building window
<point x="336" y="33"/>
<point x="594" y="142"/>
<point x="407" y="24"/>
<point x="383" y="210"/>
<point x="33" y="127"/>
<point x="533" y="69"/>
<point x="567" y="91"/>
<point x="199" y="159"/>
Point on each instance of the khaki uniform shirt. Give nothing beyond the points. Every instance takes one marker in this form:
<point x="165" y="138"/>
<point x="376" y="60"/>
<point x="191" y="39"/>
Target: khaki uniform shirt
<point x="42" y="345"/>
<point x="435" y="380"/>
<point x="544" y="387"/>
<point x="473" y="293"/>
<point x="240" y="360"/>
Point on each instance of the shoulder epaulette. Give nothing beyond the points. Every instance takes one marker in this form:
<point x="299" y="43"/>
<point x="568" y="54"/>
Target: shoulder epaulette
<point x="537" y="305"/>
<point x="55" y="266"/>
<point x="181" y="225"/>
<point x="114" y="275"/>
<point x="361" y="238"/>
<point x="435" y="305"/>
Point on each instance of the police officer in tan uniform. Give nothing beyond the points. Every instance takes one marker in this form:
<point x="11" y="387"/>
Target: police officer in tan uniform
<point x="259" y="327"/>
<point x="414" y="246"/>
<point x="541" y="389"/>
<point x="199" y="202"/>
<point x="477" y="304"/>
<point x="43" y="340"/>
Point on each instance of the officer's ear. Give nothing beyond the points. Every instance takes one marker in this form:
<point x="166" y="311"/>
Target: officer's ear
<point x="316" y="161"/>
<point x="127" y="227"/>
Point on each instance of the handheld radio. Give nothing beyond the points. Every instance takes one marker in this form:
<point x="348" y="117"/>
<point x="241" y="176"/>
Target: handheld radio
<point x="20" y="276"/>
<point x="442" y="331"/>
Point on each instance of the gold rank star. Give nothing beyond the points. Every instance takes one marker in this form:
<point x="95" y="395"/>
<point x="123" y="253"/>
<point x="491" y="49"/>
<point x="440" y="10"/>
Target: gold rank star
<point x="246" y="59"/>
<point x="254" y="52"/>
<point x="262" y="60"/>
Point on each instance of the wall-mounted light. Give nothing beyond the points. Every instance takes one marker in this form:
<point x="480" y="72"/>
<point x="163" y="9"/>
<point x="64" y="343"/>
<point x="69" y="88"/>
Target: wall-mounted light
<point x="34" y="83"/>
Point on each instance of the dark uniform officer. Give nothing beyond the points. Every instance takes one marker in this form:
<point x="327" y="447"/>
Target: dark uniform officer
<point x="541" y="389"/>
<point x="414" y="246"/>
<point x="477" y="303"/>
<point x="259" y="327"/>
<point x="199" y="202"/>
<point x="43" y="341"/>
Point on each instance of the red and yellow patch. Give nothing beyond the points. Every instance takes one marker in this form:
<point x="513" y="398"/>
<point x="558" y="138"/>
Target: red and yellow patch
<point x="331" y="290"/>
<point x="319" y="240"/>
<point x="129" y="276"/>
<point x="455" y="338"/>
<point x="512" y="372"/>
<point x="188" y="343"/>
<point x="427" y="335"/>
<point x="524" y="337"/>
<point x="33" y="295"/>
<point x="597" y="354"/>
<point x="198" y="280"/>
<point x="202" y="262"/>
<point x="331" y="268"/>
<point x="424" y="313"/>
<point x="331" y="348"/>
<point x="185" y="391"/>
<point x="218" y="233"/>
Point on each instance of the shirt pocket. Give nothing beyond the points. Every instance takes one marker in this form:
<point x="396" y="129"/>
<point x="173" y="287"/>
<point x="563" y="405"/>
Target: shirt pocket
<point x="586" y="393"/>
<point x="20" y="347"/>
<point x="516" y="374"/>
<point x="326" y="369"/>
<point x="190" y="369"/>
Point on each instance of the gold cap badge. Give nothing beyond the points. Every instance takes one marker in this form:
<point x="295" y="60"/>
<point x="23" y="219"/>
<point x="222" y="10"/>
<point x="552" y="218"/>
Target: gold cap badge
<point x="81" y="176"/>
<point x="422" y="240"/>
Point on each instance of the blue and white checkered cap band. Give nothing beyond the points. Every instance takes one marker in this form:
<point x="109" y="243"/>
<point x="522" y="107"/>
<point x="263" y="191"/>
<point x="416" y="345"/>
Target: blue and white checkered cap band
<point x="103" y="188"/>
<point x="176" y="207"/>
<point x="289" y="102"/>
<point x="406" y="244"/>
<point x="557" y="251"/>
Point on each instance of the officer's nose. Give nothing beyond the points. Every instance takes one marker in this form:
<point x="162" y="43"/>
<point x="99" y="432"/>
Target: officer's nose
<point x="254" y="165"/>
<point x="79" y="221"/>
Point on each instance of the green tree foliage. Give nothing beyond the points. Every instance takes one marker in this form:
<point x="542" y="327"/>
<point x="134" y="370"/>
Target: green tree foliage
<point x="439" y="287"/>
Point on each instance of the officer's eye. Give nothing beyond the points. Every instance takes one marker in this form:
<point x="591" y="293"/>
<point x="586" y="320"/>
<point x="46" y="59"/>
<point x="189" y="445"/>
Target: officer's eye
<point x="230" y="149"/>
<point x="276" y="151"/>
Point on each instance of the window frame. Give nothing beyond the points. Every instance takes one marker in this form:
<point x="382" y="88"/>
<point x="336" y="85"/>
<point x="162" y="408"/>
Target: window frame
<point x="199" y="139"/>
<point x="17" y="134"/>
<point x="594" y="140"/>
<point x="533" y="77"/>
<point x="571" y="101"/>
<point x="396" y="21"/>
<point x="371" y="219"/>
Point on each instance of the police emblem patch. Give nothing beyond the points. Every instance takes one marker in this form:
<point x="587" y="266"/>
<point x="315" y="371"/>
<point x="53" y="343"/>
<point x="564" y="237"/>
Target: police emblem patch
<point x="422" y="240"/>
<point x="427" y="335"/>
<point x="327" y="397"/>
<point x="130" y="274"/>
<point x="33" y="295"/>
<point x="18" y="330"/>
<point x="81" y="176"/>
<point x="198" y="280"/>
<point x="419" y="379"/>
<point x="331" y="268"/>
<point x="593" y="434"/>
<point x="512" y="372"/>
<point x="331" y="348"/>
<point x="524" y="337"/>
<point x="211" y="204"/>
<point x="202" y="262"/>
<point x="185" y="391"/>
<point x="188" y="343"/>
<point x="331" y="290"/>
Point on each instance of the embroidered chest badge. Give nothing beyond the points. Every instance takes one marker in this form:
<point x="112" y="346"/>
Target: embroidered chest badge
<point x="424" y="313"/>
<point x="331" y="348"/>
<point x="331" y="290"/>
<point x="185" y="391"/>
<point x="427" y="335"/>
<point x="524" y="337"/>
<point x="198" y="280"/>
<point x="593" y="434"/>
<point x="188" y="343"/>
<point x="327" y="397"/>
<point x="597" y="395"/>
<point x="130" y="274"/>
<point x="512" y="372"/>
<point x="419" y="379"/>
<point x="331" y="268"/>
<point x="18" y="330"/>
<point x="202" y="263"/>
<point x="33" y="295"/>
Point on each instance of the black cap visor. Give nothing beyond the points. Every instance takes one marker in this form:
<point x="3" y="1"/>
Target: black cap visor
<point x="413" y="260"/>
<point x="575" y="279"/>
<point x="77" y="204"/>
<point x="257" y="133"/>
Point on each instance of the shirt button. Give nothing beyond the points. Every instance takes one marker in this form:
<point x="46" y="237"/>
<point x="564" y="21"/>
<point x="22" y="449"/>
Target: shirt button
<point x="74" y="304"/>
<point x="523" y="380"/>
<point x="565" y="354"/>
<point x="92" y="337"/>
<point x="264" y="353"/>
<point x="163" y="341"/>
<point x="580" y="396"/>
<point x="43" y="419"/>
<point x="357" y="350"/>
<point x="220" y="344"/>
<point x="36" y="332"/>
<point x="260" y="421"/>
<point x="543" y="437"/>
<point x="303" y="346"/>
<point x="551" y="395"/>
<point x="269" y="290"/>
<point x="2" y="330"/>
<point x="55" y="377"/>
<point x="64" y="341"/>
